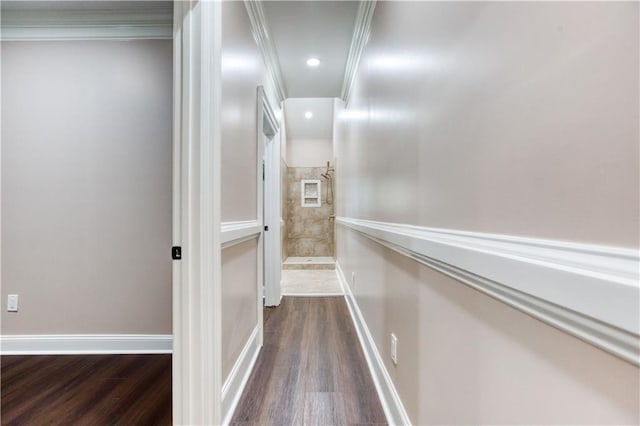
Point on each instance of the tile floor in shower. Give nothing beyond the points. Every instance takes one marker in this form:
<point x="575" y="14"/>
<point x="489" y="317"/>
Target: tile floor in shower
<point x="310" y="276"/>
<point x="309" y="262"/>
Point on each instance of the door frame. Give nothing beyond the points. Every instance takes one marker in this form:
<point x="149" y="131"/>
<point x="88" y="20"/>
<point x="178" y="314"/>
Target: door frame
<point x="269" y="201"/>
<point x="196" y="360"/>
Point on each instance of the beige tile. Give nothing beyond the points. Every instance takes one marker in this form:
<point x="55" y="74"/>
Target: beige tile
<point x="301" y="281"/>
<point x="309" y="230"/>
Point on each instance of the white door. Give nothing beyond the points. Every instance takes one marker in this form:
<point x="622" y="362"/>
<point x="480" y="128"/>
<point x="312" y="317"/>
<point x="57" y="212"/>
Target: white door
<point x="268" y="132"/>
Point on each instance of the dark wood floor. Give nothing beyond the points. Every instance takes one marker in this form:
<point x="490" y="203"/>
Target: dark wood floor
<point x="311" y="369"/>
<point x="86" y="389"/>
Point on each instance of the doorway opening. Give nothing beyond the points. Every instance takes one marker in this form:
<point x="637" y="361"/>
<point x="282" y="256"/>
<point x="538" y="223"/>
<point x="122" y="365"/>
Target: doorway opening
<point x="308" y="199"/>
<point x="269" y="171"/>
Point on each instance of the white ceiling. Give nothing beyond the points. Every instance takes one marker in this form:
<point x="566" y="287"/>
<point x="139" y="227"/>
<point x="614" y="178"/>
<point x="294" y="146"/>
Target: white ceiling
<point x="320" y="126"/>
<point x="303" y="29"/>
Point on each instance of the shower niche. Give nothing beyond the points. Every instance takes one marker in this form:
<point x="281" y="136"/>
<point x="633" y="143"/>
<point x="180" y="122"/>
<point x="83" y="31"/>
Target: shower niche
<point x="311" y="192"/>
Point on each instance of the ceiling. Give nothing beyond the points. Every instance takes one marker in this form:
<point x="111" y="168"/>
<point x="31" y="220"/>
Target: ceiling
<point x="303" y="29"/>
<point x="319" y="126"/>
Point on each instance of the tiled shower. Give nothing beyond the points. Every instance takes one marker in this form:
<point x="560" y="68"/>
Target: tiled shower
<point x="309" y="219"/>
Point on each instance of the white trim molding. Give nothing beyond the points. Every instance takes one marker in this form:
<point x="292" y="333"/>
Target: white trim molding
<point x="391" y="404"/>
<point x="332" y="294"/>
<point x="269" y="202"/>
<point x="261" y="34"/>
<point x="66" y="344"/>
<point x="239" y="376"/>
<point x="589" y="291"/>
<point x="86" y="21"/>
<point x="359" y="41"/>
<point x="197" y="297"/>
<point x="233" y="233"/>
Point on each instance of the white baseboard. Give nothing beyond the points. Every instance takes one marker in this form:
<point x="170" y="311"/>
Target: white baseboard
<point x="68" y="344"/>
<point x="389" y="398"/>
<point x="239" y="375"/>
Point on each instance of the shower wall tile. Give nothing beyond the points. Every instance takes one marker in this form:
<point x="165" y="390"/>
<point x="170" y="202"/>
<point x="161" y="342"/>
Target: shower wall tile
<point x="309" y="229"/>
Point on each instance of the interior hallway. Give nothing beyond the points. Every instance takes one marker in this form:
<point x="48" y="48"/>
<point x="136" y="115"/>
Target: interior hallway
<point x="311" y="369"/>
<point x="482" y="211"/>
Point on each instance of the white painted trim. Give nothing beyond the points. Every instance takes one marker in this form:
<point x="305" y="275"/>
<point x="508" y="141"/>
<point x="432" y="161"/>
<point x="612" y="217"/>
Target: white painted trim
<point x="260" y="31"/>
<point x="361" y="32"/>
<point x="268" y="132"/>
<point x="589" y="291"/>
<point x="178" y="207"/>
<point x="315" y="201"/>
<point x="389" y="398"/>
<point x="197" y="293"/>
<point x="312" y="294"/>
<point x="86" y="33"/>
<point x="65" y="344"/>
<point x="239" y="375"/>
<point x="45" y="23"/>
<point x="233" y="233"/>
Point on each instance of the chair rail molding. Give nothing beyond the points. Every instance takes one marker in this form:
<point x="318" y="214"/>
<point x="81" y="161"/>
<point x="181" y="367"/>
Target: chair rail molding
<point x="23" y="21"/>
<point x="237" y="232"/>
<point x="262" y="36"/>
<point x="359" y="41"/>
<point x="589" y="291"/>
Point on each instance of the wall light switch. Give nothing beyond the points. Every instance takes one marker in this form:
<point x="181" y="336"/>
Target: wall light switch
<point x="12" y="303"/>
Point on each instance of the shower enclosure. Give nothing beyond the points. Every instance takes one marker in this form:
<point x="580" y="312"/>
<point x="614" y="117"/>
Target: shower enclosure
<point x="309" y="218"/>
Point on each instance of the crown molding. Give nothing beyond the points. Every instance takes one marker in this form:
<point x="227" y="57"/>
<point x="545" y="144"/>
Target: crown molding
<point x="35" y="21"/>
<point x="262" y="36"/>
<point x="358" y="43"/>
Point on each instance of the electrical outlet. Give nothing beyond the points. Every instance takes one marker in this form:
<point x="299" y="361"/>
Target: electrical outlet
<point x="12" y="303"/>
<point x="394" y="349"/>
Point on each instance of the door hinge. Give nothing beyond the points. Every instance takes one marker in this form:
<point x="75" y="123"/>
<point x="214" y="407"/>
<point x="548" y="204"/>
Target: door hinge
<point x="176" y="253"/>
<point x="266" y="227"/>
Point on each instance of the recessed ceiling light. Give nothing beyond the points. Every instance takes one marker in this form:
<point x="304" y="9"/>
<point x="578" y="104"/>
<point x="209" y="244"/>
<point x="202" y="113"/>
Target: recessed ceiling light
<point x="308" y="115"/>
<point x="313" y="62"/>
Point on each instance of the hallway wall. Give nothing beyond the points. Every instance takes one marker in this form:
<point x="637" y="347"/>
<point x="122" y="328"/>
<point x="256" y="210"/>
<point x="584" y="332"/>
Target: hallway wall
<point x="86" y="186"/>
<point x="243" y="70"/>
<point x="507" y="118"/>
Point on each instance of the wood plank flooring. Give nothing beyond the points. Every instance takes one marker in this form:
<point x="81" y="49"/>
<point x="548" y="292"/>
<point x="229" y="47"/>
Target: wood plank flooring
<point x="311" y="369"/>
<point x="86" y="389"/>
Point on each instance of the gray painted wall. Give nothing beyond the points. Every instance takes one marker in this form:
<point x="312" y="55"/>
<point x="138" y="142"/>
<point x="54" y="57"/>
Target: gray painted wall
<point x="242" y="71"/>
<point x="86" y="186"/>
<point x="516" y="118"/>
